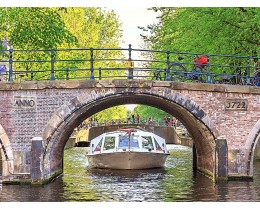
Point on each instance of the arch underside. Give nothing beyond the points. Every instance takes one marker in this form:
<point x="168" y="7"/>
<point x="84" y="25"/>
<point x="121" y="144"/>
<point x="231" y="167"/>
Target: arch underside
<point x="250" y="147"/>
<point x="188" y="113"/>
<point x="6" y="153"/>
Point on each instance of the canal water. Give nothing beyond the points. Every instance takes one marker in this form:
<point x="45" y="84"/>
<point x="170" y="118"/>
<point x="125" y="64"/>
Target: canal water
<point x="175" y="182"/>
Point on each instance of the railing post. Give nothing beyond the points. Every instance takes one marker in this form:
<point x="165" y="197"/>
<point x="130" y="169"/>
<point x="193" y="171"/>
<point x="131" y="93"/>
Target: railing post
<point x="99" y="73"/>
<point x="248" y="81"/>
<point x="31" y="75"/>
<point x="10" y="79"/>
<point x="164" y="74"/>
<point x="168" y="66"/>
<point x="209" y="80"/>
<point x="52" y="64"/>
<point x="92" y="64"/>
<point x="130" y="70"/>
<point x="67" y="74"/>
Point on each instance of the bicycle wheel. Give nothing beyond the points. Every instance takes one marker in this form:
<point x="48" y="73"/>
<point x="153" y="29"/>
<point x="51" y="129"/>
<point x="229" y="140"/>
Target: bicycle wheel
<point x="157" y="75"/>
<point x="256" y="78"/>
<point x="177" y="72"/>
<point x="203" y="78"/>
<point x="243" y="81"/>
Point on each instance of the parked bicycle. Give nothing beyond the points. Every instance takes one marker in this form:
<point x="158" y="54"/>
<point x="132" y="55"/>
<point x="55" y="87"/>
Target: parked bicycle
<point x="179" y="73"/>
<point x="159" y="74"/>
<point x="3" y="72"/>
<point x="241" y="78"/>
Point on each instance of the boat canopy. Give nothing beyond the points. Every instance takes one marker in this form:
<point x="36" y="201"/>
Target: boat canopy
<point x="133" y="140"/>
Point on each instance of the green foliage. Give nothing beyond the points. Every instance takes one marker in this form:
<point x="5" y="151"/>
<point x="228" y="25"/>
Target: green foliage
<point x="112" y="113"/>
<point x="222" y="31"/>
<point x="50" y="28"/>
<point x="146" y="112"/>
<point x="33" y="28"/>
<point x="208" y="30"/>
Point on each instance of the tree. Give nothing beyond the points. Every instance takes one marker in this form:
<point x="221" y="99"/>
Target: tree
<point x="50" y="28"/>
<point x="112" y="113"/>
<point x="233" y="31"/>
<point x="214" y="30"/>
<point x="94" y="28"/>
<point x="34" y="28"/>
<point x="146" y="112"/>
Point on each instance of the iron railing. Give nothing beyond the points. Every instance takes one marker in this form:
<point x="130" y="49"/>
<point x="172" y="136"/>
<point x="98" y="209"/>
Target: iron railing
<point x="126" y="63"/>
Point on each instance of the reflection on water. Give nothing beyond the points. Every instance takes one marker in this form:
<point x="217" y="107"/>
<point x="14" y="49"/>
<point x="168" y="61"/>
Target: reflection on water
<point x="175" y="182"/>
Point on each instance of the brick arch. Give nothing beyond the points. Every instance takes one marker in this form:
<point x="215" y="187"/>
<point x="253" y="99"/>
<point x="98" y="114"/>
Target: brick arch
<point x="72" y="113"/>
<point x="6" y="153"/>
<point x="250" y="145"/>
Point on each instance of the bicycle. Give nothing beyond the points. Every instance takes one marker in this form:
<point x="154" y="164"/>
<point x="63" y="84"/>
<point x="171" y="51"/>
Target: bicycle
<point x="3" y="72"/>
<point x="179" y="73"/>
<point x="157" y="74"/>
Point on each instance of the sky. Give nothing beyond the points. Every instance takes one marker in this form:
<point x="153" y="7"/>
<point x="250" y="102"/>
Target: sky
<point x="131" y="17"/>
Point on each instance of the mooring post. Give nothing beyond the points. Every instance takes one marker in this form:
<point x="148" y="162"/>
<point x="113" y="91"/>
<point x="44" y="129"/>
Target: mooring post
<point x="37" y="150"/>
<point x="221" y="159"/>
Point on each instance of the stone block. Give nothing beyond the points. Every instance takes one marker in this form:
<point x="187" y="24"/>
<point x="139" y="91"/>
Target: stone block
<point x="55" y="121"/>
<point x="63" y="111"/>
<point x="2" y="131"/>
<point x="161" y="83"/>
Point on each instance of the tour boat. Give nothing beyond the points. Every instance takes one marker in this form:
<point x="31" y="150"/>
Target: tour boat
<point x="127" y="149"/>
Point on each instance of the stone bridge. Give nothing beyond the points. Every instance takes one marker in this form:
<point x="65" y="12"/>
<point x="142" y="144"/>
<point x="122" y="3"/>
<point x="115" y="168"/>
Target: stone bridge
<point x="37" y="119"/>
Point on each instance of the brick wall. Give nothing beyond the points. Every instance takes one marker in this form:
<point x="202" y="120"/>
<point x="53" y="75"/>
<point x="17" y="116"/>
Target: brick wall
<point x="23" y="123"/>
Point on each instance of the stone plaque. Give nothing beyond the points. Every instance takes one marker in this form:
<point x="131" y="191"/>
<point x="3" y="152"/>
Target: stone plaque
<point x="236" y="104"/>
<point x="24" y="102"/>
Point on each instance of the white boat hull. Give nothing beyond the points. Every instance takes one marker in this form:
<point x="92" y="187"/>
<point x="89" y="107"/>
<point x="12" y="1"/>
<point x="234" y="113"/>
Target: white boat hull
<point x="127" y="160"/>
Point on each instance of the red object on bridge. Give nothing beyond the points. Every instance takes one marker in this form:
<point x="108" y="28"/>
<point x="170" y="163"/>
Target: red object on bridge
<point x="201" y="61"/>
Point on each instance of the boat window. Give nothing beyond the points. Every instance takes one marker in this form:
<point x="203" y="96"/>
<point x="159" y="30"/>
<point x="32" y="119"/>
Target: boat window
<point x="123" y="141"/>
<point x="134" y="141"/>
<point x="157" y="145"/>
<point x="109" y="142"/>
<point x="147" y="142"/>
<point x="98" y="147"/>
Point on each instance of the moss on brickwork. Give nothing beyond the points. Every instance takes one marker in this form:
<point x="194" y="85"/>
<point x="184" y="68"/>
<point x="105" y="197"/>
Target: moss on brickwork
<point x="239" y="177"/>
<point x="206" y="172"/>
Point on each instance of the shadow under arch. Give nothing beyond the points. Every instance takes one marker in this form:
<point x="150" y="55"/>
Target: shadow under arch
<point x="6" y="152"/>
<point x="71" y="114"/>
<point x="250" y="147"/>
